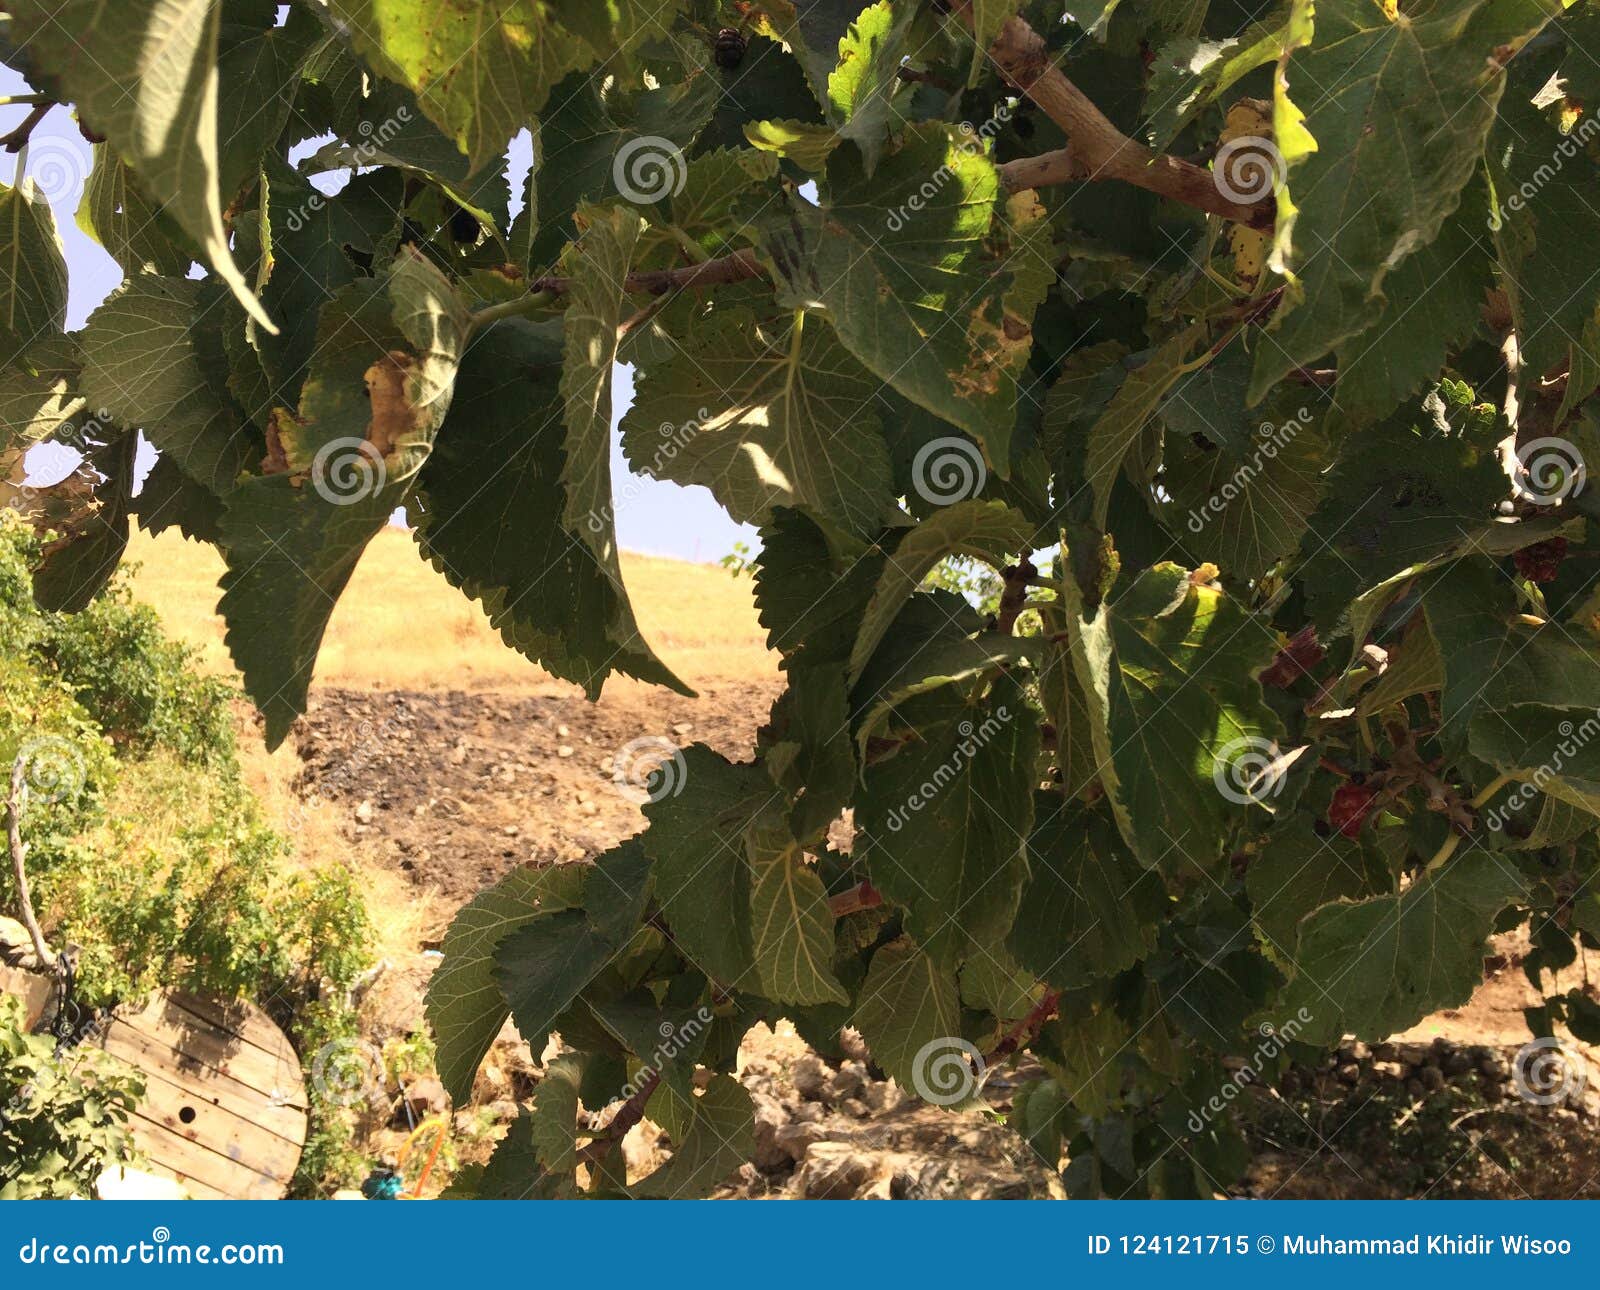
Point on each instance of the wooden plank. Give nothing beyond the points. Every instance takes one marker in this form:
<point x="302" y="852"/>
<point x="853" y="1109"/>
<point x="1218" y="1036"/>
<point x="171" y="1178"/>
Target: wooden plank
<point x="33" y="989"/>
<point x="205" y="1174"/>
<point x="234" y="1137"/>
<point x="244" y="1021"/>
<point x="284" y="1118"/>
<point x="169" y="1025"/>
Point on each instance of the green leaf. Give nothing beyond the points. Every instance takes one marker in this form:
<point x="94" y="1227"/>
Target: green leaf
<point x="498" y="536"/>
<point x="135" y="231"/>
<point x="888" y="262"/>
<point x="984" y="530"/>
<point x="791" y="928"/>
<point x="465" y="1008"/>
<point x="909" y="1012"/>
<point x="1375" y="967"/>
<point x="988" y="17"/>
<point x="258" y="72"/>
<point x="944" y="820"/>
<point x="1118" y="428"/>
<point x="39" y="396"/>
<point x="144" y="363"/>
<point x="863" y="88"/>
<point x="480" y="73"/>
<point x="33" y="274"/>
<point x="554" y="1127"/>
<point x="1089" y="909"/>
<point x="598" y="265"/>
<point x="1190" y="72"/>
<point x="811" y="592"/>
<point x="144" y="75"/>
<point x="1169" y="671"/>
<point x="802" y="142"/>
<point x="697" y="837"/>
<point x="720" y="1138"/>
<point x="1554" y="749"/>
<point x="764" y="416"/>
<point x="1247" y="511"/>
<point x="1381" y="94"/>
<point x="386" y="360"/>
<point x="1297" y="872"/>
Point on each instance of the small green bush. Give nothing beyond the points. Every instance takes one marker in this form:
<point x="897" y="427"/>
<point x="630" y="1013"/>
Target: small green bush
<point x="63" y="1117"/>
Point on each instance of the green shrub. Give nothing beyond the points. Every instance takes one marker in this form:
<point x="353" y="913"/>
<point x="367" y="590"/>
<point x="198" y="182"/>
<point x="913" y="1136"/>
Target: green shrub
<point x="63" y="1117"/>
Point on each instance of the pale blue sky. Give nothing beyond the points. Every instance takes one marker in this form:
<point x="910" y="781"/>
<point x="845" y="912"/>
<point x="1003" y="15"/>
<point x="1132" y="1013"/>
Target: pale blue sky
<point x="652" y="516"/>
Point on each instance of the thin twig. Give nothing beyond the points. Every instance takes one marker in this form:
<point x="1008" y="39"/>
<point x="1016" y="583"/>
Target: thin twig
<point x="19" y="852"/>
<point x="19" y="137"/>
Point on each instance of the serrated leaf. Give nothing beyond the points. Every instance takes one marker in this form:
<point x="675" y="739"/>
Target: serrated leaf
<point x="258" y="72"/>
<point x="765" y="416"/>
<point x="944" y="820"/>
<point x="33" y="274"/>
<point x="1190" y="72"/>
<point x="886" y="256"/>
<point x="909" y="1012"/>
<point x="697" y="837"/>
<point x="386" y="361"/>
<point x="720" y="1138"/>
<point x="39" y="396"/>
<point x="135" y="231"/>
<point x="554" y="1115"/>
<point x="862" y="89"/>
<point x="1297" y="872"/>
<point x="1169" y="668"/>
<point x="1552" y="748"/>
<point x="791" y="928"/>
<point x="805" y="143"/>
<point x="1089" y="909"/>
<point x="1381" y="92"/>
<point x="590" y="338"/>
<point x="465" y="1008"/>
<point x="985" y="530"/>
<point x="480" y="73"/>
<point x="142" y="363"/>
<point x="498" y="535"/>
<point x="1118" y="428"/>
<point x="144" y="73"/>
<point x="1375" y="967"/>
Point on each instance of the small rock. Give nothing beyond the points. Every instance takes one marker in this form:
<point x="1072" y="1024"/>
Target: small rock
<point x="562" y="732"/>
<point x="833" y="1171"/>
<point x="1349" y="1073"/>
<point x="811" y="1077"/>
<point x="364" y="812"/>
<point x="881" y="1098"/>
<point x="511" y="830"/>
<point x="1389" y="1070"/>
<point x="798" y="1137"/>
<point x="1386" y="1052"/>
<point x="770" y="1155"/>
<point x="683" y="728"/>
<point x="458" y="754"/>
<point x="564" y="751"/>
<point x="855" y="1107"/>
<point x="1456" y="1063"/>
<point x="1494" y="1067"/>
<point x="848" y="1083"/>
<point x="1432" y="1078"/>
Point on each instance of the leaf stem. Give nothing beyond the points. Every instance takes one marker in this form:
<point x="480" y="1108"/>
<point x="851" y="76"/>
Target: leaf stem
<point x="518" y="308"/>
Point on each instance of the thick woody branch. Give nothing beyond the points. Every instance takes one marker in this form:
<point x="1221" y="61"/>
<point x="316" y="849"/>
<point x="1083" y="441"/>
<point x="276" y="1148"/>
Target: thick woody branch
<point x="19" y="852"/>
<point x="1100" y="150"/>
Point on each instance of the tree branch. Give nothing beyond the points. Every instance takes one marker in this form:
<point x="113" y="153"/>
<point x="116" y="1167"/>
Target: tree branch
<point x="19" y="137"/>
<point x="628" y="1115"/>
<point x="1100" y="150"/>
<point x="862" y="896"/>
<point x="19" y="852"/>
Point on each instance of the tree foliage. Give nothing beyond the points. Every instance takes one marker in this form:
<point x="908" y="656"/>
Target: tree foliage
<point x="1254" y="353"/>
